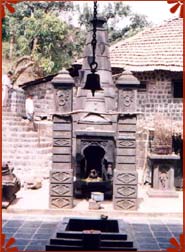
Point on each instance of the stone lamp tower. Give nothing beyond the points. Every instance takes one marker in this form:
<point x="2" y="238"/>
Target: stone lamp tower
<point x="61" y="175"/>
<point x="125" y="181"/>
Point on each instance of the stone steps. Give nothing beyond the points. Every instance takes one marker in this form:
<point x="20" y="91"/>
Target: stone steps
<point x="30" y="152"/>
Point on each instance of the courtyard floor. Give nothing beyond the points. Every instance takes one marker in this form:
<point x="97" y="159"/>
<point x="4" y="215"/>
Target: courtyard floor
<point x="32" y="232"/>
<point x="37" y="202"/>
<point x="30" y="221"/>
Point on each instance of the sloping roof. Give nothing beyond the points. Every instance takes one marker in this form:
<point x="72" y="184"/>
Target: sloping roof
<point x="157" y="48"/>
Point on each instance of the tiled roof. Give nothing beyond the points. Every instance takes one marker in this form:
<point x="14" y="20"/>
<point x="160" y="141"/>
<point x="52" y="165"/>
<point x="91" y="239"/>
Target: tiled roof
<point x="157" y="48"/>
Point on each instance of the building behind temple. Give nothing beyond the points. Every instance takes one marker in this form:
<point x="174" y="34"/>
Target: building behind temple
<point x="77" y="133"/>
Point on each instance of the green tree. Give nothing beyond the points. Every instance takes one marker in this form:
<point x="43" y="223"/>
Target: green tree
<point x="38" y="37"/>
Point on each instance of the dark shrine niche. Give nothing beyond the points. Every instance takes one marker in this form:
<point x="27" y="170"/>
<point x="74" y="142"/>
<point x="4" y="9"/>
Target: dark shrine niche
<point x="95" y="161"/>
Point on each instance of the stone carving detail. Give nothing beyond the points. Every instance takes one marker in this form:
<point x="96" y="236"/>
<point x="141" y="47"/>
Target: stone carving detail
<point x="126" y="178"/>
<point x="62" y="142"/>
<point x="125" y="204"/>
<point x="126" y="191"/>
<point x="126" y="143"/>
<point x="61" y="176"/>
<point x="63" y="97"/>
<point x="128" y="98"/>
<point x="163" y="179"/>
<point x="93" y="143"/>
<point x="61" y="202"/>
<point x="61" y="190"/>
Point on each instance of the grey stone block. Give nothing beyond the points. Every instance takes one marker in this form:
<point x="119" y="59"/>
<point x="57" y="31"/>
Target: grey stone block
<point x="62" y="150"/>
<point x="127" y="128"/>
<point x="61" y="190"/>
<point x="61" y="176"/>
<point x="125" y="204"/>
<point x="127" y="120"/>
<point x="61" y="134"/>
<point x="61" y="142"/>
<point x="61" y="166"/>
<point x="126" y="159"/>
<point x="122" y="143"/>
<point x="126" y="152"/>
<point x="61" y="126"/>
<point x="125" y="191"/>
<point x="61" y="158"/>
<point x="61" y="202"/>
<point x="125" y="167"/>
<point x="123" y="177"/>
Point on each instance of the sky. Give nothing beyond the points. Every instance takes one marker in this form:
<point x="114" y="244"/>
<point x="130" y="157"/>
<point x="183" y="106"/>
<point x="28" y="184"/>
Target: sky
<point x="157" y="11"/>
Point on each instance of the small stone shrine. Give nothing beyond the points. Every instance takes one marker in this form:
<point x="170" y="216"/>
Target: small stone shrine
<point x="10" y="185"/>
<point x="94" y="135"/>
<point x="163" y="170"/>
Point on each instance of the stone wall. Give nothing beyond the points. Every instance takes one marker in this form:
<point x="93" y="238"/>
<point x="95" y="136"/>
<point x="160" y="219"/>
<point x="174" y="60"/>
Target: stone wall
<point x="154" y="102"/>
<point x="158" y="96"/>
<point x="43" y="97"/>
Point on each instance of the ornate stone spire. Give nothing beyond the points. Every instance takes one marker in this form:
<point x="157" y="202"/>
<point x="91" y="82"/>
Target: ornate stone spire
<point x="103" y="100"/>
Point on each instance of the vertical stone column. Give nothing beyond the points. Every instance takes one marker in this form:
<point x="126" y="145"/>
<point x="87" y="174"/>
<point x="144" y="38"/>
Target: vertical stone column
<point x="61" y="175"/>
<point x="125" y="175"/>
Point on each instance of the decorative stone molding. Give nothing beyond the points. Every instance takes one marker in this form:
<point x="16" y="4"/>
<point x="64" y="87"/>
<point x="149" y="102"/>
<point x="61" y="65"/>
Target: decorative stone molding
<point x="61" y="176"/>
<point x="125" y="204"/>
<point x="61" y="202"/>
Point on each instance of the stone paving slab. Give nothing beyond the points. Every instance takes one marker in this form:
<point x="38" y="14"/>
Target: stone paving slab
<point x="34" y="232"/>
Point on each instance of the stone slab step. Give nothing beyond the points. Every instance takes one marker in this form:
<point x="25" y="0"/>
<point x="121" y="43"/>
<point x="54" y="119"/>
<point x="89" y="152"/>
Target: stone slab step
<point x="71" y="242"/>
<point x="79" y="248"/>
<point x="116" y="243"/>
<point x="75" y="235"/>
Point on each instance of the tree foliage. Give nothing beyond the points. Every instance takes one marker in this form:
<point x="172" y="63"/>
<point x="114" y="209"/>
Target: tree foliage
<point x="37" y="31"/>
<point x="38" y="35"/>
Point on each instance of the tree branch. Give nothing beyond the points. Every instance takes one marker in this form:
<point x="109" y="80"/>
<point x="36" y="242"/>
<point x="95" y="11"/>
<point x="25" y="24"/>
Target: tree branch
<point x="20" y="70"/>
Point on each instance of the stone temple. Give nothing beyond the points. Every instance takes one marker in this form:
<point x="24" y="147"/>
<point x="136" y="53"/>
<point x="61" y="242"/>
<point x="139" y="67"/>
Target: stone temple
<point x="92" y="143"/>
<point x="99" y="133"/>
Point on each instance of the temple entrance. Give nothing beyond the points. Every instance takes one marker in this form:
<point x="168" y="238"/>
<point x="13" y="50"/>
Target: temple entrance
<point x="95" y="173"/>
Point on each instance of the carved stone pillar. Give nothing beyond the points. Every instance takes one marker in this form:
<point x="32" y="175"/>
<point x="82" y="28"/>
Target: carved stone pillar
<point x="61" y="175"/>
<point x="125" y="175"/>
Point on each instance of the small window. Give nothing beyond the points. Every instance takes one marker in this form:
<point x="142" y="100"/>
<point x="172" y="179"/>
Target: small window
<point x="178" y="88"/>
<point x="142" y="86"/>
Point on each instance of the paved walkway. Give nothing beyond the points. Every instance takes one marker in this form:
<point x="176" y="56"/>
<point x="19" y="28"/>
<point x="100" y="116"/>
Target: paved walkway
<point x="32" y="232"/>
